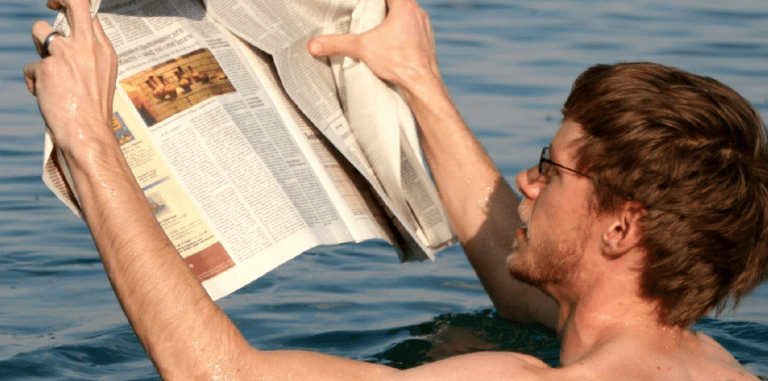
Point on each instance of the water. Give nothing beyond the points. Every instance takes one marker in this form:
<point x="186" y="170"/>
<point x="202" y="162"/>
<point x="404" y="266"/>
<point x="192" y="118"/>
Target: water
<point x="509" y="65"/>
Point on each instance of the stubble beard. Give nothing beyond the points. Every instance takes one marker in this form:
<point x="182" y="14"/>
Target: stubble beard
<point x="545" y="263"/>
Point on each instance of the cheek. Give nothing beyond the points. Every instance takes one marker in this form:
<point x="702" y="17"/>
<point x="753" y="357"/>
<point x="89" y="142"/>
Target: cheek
<point x="554" y="218"/>
<point x="524" y="211"/>
<point x="544" y="212"/>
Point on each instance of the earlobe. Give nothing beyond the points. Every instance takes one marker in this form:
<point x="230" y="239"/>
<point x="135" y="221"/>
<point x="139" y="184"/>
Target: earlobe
<point x="612" y="240"/>
<point x="624" y="232"/>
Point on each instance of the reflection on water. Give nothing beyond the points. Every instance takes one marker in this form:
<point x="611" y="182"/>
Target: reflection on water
<point x="452" y="334"/>
<point x="509" y="65"/>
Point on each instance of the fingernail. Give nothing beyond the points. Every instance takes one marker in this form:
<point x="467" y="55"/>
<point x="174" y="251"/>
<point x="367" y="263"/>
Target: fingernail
<point x="315" y="48"/>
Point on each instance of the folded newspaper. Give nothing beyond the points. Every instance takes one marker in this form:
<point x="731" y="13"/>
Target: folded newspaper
<point x="249" y="150"/>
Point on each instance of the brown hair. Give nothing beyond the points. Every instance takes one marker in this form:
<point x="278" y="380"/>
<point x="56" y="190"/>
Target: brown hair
<point x="693" y="152"/>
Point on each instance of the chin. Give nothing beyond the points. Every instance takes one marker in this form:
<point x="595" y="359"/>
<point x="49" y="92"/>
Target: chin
<point x="523" y="270"/>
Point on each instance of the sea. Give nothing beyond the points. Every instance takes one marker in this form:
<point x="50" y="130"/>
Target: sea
<point x="509" y="65"/>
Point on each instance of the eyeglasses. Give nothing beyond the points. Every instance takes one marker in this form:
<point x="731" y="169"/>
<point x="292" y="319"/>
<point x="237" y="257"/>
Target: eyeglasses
<point x="545" y="159"/>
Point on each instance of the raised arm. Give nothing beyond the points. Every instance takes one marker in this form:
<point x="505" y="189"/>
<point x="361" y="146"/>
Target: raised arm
<point x="179" y="326"/>
<point x="480" y="203"/>
<point x="182" y="330"/>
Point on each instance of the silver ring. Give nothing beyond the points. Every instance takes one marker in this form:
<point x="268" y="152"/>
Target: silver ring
<point x="48" y="41"/>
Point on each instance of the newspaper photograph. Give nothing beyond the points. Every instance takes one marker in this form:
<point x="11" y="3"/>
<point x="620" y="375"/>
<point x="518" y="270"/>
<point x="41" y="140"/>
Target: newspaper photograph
<point x="250" y="151"/>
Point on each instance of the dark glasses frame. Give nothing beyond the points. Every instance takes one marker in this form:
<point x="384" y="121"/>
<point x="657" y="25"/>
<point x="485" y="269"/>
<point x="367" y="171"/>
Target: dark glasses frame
<point x="545" y="158"/>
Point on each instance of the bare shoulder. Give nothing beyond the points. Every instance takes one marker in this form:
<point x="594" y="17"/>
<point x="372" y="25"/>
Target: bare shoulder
<point x="708" y="360"/>
<point x="694" y="356"/>
<point x="488" y="366"/>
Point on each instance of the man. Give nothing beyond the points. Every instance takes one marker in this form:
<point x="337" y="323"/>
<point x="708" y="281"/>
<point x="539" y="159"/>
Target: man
<point x="647" y="210"/>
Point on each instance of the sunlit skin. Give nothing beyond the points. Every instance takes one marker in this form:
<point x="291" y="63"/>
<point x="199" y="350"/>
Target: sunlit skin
<point x="607" y="331"/>
<point x="550" y="245"/>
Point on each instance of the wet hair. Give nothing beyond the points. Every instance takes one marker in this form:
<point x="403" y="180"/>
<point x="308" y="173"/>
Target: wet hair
<point x="693" y="152"/>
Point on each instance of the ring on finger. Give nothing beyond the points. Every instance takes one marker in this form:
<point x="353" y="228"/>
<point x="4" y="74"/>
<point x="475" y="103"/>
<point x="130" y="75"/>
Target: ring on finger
<point x="48" y="40"/>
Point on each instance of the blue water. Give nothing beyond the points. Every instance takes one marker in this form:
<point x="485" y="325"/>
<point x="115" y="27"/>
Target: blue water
<point x="509" y="65"/>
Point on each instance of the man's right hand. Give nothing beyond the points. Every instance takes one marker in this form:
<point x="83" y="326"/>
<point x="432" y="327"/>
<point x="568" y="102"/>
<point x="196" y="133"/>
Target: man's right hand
<point x="401" y="50"/>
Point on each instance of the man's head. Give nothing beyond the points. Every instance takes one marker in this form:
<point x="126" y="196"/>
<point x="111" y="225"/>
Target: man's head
<point x="557" y="215"/>
<point x="693" y="153"/>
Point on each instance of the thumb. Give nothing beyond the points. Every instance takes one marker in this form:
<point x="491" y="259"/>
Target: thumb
<point x="336" y="44"/>
<point x="30" y="77"/>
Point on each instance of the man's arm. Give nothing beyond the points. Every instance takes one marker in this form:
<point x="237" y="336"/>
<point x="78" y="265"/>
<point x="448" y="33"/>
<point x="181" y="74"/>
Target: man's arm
<point x="481" y="205"/>
<point x="183" y="331"/>
<point x="180" y="327"/>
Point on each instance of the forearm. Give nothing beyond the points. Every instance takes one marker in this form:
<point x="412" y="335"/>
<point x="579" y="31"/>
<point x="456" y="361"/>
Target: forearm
<point x="463" y="172"/>
<point x="177" y="323"/>
<point x="180" y="327"/>
<point x="480" y="203"/>
<point x="183" y="331"/>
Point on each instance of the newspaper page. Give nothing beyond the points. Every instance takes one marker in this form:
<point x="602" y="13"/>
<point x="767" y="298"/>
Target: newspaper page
<point x="186" y="98"/>
<point x="249" y="182"/>
<point x="282" y="29"/>
<point x="367" y="120"/>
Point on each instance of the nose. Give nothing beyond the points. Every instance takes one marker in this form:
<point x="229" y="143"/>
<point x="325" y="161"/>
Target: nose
<point x="527" y="182"/>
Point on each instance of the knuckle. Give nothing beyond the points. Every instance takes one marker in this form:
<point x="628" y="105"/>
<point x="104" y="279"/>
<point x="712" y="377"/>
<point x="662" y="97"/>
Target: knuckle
<point x="109" y="56"/>
<point x="109" y="48"/>
<point x="413" y="7"/>
<point x="65" y="53"/>
<point x="106" y="50"/>
<point x="47" y="65"/>
<point x="361" y="43"/>
<point x="46" y="69"/>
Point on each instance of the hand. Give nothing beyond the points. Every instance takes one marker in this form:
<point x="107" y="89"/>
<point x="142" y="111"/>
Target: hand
<point x="75" y="81"/>
<point x="401" y="50"/>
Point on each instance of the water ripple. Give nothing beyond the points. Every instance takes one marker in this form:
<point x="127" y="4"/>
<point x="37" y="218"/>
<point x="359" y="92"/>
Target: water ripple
<point x="509" y="65"/>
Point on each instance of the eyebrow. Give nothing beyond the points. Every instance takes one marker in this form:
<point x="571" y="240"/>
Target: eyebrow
<point x="552" y="152"/>
<point x="560" y="166"/>
<point x="555" y="168"/>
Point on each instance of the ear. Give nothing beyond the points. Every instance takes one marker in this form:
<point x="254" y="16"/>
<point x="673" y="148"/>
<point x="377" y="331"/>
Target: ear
<point x="624" y="231"/>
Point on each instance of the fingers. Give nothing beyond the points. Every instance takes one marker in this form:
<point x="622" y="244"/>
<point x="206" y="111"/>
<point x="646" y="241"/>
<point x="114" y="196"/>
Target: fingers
<point x="401" y="5"/>
<point x="40" y="31"/>
<point x="78" y="14"/>
<point x="30" y="76"/>
<point x="55" y="5"/>
<point x="336" y="44"/>
<point x="394" y="4"/>
<point x="80" y="22"/>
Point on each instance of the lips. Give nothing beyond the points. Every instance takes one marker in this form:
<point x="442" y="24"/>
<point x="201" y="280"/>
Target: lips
<point x="524" y="212"/>
<point x="520" y="238"/>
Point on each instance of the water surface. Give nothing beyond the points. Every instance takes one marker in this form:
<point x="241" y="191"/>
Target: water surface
<point x="509" y="65"/>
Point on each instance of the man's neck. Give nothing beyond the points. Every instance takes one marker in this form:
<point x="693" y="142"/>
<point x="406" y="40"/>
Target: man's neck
<point x="602" y="314"/>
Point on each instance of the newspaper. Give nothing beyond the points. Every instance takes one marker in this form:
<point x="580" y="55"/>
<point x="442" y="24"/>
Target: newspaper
<point x="249" y="150"/>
